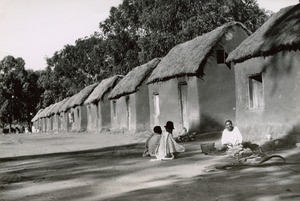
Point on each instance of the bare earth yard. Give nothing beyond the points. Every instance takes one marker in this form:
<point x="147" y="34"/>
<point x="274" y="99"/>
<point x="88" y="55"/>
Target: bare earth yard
<point x="109" y="166"/>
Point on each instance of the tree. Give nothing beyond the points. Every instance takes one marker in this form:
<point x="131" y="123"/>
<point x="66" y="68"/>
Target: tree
<point x="19" y="91"/>
<point x="31" y="96"/>
<point x="153" y="27"/>
<point x="74" y="67"/>
<point x="12" y="71"/>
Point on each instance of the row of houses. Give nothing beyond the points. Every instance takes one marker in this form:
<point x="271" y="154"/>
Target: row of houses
<point x="195" y="86"/>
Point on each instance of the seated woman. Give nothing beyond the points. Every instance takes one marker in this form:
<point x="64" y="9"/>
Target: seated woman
<point x="168" y="148"/>
<point x="152" y="141"/>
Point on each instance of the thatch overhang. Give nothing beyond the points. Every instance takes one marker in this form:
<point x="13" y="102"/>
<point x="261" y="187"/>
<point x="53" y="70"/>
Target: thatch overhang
<point x="82" y="95"/>
<point x="281" y="32"/>
<point x="55" y="109"/>
<point x="77" y="99"/>
<point x="36" y="117"/>
<point x="105" y="86"/>
<point x="66" y="105"/>
<point x="49" y="112"/>
<point x="189" y="58"/>
<point x="44" y="112"/>
<point x="131" y="82"/>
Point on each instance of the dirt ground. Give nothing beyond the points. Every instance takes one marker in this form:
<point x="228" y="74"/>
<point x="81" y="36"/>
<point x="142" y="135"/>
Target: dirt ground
<point x="110" y="166"/>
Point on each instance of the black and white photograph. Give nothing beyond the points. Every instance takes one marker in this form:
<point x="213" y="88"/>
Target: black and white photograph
<point x="137" y="100"/>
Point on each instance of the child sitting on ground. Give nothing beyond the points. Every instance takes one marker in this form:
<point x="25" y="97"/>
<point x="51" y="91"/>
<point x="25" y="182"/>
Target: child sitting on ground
<point x="152" y="141"/>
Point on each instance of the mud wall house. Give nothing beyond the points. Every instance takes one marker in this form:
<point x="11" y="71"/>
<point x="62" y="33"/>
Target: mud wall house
<point x="78" y="110"/>
<point x="40" y="120"/>
<point x="65" y="115"/>
<point x="130" y="99"/>
<point x="43" y="122"/>
<point x="49" y="118"/>
<point x="267" y="66"/>
<point x="43" y="119"/>
<point x="35" y="122"/>
<point x="192" y="86"/>
<point x="98" y="106"/>
<point x="55" y="115"/>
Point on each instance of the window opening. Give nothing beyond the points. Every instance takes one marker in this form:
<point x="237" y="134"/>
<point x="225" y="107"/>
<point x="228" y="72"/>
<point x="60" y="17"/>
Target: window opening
<point x="156" y="108"/>
<point x="221" y="56"/>
<point x="256" y="100"/>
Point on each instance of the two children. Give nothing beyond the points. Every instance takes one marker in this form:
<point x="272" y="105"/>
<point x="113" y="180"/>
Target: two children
<point x="167" y="148"/>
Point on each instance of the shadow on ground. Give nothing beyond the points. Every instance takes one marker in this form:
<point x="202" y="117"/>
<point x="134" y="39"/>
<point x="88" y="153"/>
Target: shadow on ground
<point x="120" y="173"/>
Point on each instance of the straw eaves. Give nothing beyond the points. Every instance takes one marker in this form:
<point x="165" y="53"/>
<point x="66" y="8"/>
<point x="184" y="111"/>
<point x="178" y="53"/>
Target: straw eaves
<point x="82" y="95"/>
<point x="104" y="87"/>
<point x="66" y="105"/>
<point x="131" y="82"/>
<point x="57" y="106"/>
<point x="49" y="112"/>
<point x="36" y="115"/>
<point x="189" y="58"/>
<point x="77" y="99"/>
<point x="281" y="32"/>
<point x="45" y="111"/>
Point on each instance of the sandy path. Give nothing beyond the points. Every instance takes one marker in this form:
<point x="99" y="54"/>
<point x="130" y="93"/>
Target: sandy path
<point x="43" y="143"/>
<point x="120" y="173"/>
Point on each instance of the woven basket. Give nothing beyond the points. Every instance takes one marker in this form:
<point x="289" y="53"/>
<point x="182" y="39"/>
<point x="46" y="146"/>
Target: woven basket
<point x="207" y="147"/>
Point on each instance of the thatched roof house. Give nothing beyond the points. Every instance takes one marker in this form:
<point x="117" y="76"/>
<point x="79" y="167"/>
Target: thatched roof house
<point x="131" y="82"/>
<point x="44" y="113"/>
<point x="105" y="86"/>
<point x="57" y="106"/>
<point x="280" y="32"/>
<point x="49" y="111"/>
<point x="82" y="95"/>
<point x="78" y="99"/>
<point x="267" y="78"/>
<point x="42" y="116"/>
<point x="65" y="106"/>
<point x="192" y="86"/>
<point x="189" y="58"/>
<point x="98" y="106"/>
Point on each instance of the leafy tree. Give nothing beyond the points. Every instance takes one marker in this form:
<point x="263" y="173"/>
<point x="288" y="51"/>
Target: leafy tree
<point x="12" y="70"/>
<point x="141" y="30"/>
<point x="74" y="67"/>
<point x="31" y="96"/>
<point x="19" y="91"/>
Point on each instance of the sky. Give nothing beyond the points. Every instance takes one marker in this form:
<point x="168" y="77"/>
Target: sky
<point x="35" y="29"/>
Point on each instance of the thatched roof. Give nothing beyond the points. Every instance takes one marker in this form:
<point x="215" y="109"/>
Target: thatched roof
<point x="49" y="111"/>
<point x="83" y="95"/>
<point x="131" y="82"/>
<point x="280" y="32"/>
<point x="105" y="86"/>
<point x="189" y="58"/>
<point x="78" y="99"/>
<point x="56" y="107"/>
<point x="45" y="111"/>
<point x="36" y="115"/>
<point x="65" y="106"/>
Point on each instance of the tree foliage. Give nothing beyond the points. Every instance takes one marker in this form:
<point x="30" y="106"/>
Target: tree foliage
<point x="19" y="90"/>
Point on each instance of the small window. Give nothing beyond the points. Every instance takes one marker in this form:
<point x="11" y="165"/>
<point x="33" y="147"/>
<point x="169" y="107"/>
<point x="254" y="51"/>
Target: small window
<point x="221" y="56"/>
<point x="127" y="100"/>
<point x="156" y="105"/>
<point x="78" y="112"/>
<point x="114" y="108"/>
<point x="71" y="117"/>
<point x="256" y="95"/>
